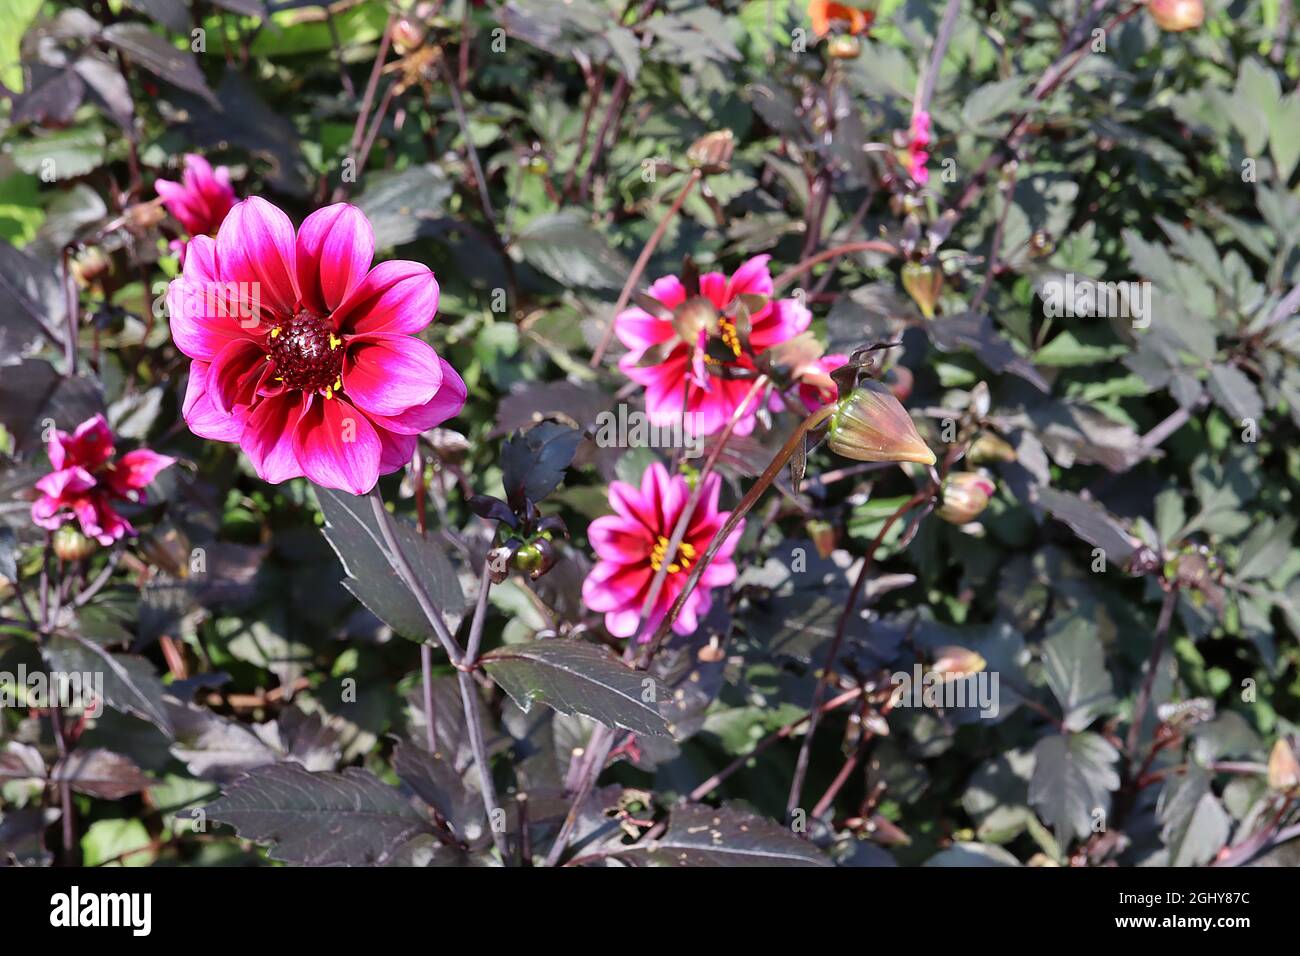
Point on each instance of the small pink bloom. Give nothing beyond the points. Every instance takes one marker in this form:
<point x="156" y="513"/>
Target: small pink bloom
<point x="86" y="480"/>
<point x="305" y="355"/>
<point x="682" y="380"/>
<point x="201" y="199"/>
<point x="630" y="546"/>
<point x="816" y="387"/>
<point x="917" y="156"/>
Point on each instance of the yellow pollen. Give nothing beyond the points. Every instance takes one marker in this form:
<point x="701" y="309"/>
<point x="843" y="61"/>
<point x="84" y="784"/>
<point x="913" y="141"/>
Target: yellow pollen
<point x="335" y="342"/>
<point x="729" y="337"/>
<point x="274" y="333"/>
<point x="685" y="554"/>
<point x="338" y="384"/>
<point x="329" y="393"/>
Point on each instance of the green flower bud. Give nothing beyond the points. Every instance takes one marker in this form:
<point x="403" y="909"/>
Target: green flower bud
<point x="872" y="425"/>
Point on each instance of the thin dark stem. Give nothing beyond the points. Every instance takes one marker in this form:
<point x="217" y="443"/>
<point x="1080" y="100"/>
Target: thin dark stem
<point x="1153" y="665"/>
<point x="458" y="105"/>
<point x="832" y="653"/>
<point x="639" y="267"/>
<point x="598" y="748"/>
<point x="474" y="727"/>
<point x="930" y="78"/>
<point x="865" y="245"/>
<point x="426" y="673"/>
<point x="480" y="616"/>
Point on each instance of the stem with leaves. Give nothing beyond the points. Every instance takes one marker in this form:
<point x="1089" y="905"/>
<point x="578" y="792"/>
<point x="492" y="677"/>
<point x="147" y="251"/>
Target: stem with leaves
<point x="468" y="692"/>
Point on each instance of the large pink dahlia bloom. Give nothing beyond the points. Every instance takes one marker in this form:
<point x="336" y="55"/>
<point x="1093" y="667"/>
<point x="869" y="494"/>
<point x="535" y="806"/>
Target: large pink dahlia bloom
<point x="304" y="354"/>
<point x="86" y="480"/>
<point x="201" y="199"/>
<point x="681" y="380"/>
<point x="631" y="545"/>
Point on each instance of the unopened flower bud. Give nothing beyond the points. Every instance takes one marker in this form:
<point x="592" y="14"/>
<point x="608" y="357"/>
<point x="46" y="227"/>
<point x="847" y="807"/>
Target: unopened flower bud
<point x="965" y="496"/>
<point x="71" y="545"/>
<point x="988" y="448"/>
<point x="923" y="283"/>
<point x="1175" y="16"/>
<point x="954" y="662"/>
<point x="870" y="424"/>
<point x="844" y="47"/>
<point x="711" y="153"/>
<point x="1283" y="768"/>
<point x="407" y="35"/>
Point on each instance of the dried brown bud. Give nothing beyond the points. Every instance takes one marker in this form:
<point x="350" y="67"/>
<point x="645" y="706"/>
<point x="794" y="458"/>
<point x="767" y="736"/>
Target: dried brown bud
<point x="965" y="496"/>
<point x="143" y="216"/>
<point x="1176" y="16"/>
<point x="711" y="153"/>
<point x="870" y="424"/>
<point x="89" y="266"/>
<point x="923" y="283"/>
<point x="694" y="316"/>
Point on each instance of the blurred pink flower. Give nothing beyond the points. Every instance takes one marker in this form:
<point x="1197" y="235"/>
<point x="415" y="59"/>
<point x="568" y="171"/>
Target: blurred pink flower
<point x="631" y="544"/>
<point x="305" y="355"/>
<point x="681" y="380"/>
<point x="917" y="156"/>
<point x="86" y="480"/>
<point x="816" y="387"/>
<point x="201" y="199"/>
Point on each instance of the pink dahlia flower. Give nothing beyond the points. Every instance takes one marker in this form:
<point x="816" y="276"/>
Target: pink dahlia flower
<point x="201" y="199"/>
<point x="305" y="355"/>
<point x="631" y="545"/>
<point x="917" y="156"/>
<point x="681" y="380"/>
<point x="86" y="481"/>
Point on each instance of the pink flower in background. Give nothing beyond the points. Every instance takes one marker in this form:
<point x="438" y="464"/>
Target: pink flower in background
<point x="917" y="156"/>
<point x="86" y="481"/>
<point x="816" y="387"/>
<point x="631" y="544"/>
<point x="305" y="355"/>
<point x="680" y="380"/>
<point x="201" y="199"/>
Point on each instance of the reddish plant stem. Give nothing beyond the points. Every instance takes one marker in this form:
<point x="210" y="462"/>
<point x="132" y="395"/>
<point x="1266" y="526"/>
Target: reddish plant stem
<point x="865" y="245"/>
<point x="641" y="262"/>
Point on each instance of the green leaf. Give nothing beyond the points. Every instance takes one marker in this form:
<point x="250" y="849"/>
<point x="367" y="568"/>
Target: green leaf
<point x="565" y="247"/>
<point x="1074" y="665"/>
<point x="402" y="206"/>
<point x="130" y="683"/>
<point x="65" y="154"/>
<point x="1266" y="548"/>
<point x="18" y="16"/>
<point x="1195" y="825"/>
<point x="320" y="819"/>
<point x="731" y="835"/>
<point x="352" y="532"/>
<point x="1072" y="782"/>
<point x="576" y="677"/>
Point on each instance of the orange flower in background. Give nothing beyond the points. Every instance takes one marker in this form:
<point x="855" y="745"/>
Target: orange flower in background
<point x="828" y="16"/>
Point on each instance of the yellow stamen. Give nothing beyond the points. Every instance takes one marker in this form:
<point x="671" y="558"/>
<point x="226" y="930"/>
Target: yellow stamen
<point x="274" y="332"/>
<point x="685" y="554"/>
<point x="338" y="384"/>
<point x="335" y="342"/>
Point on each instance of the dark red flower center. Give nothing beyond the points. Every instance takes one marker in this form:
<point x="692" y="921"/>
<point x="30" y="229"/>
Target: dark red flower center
<point x="307" y="353"/>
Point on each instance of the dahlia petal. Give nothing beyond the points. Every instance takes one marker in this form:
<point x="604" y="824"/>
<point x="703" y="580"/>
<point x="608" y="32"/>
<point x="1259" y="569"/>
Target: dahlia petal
<point x="256" y="249"/>
<point x="48" y="513"/>
<point x="713" y="286"/>
<point x="268" y="437"/>
<point x="234" y="374"/>
<point x="623" y="623"/>
<point x="752" y="278"/>
<point x="337" y="446"/>
<point x="136" y="469"/>
<point x="396" y="450"/>
<point x="388" y="374"/>
<point x="614" y="538"/>
<point x="668" y="290"/>
<point x="397" y="296"/>
<point x="335" y="248"/>
<point x="447" y="403"/>
<point x="639" y="330"/>
<point x="611" y="585"/>
<point x="201" y="413"/>
<point x="66" y="481"/>
<point x="91" y="445"/>
<point x="783" y="321"/>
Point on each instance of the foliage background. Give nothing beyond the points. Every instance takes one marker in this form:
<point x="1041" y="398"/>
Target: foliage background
<point x="1166" y="157"/>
